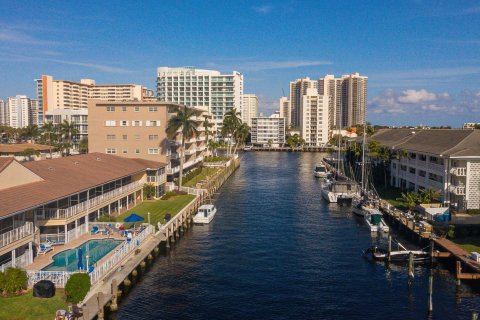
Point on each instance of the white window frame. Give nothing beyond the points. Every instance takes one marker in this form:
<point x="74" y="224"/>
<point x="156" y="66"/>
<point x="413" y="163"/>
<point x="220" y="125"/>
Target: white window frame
<point x="153" y="151"/>
<point x="149" y="123"/>
<point x="111" y="150"/>
<point x="123" y="123"/>
<point x="110" y="123"/>
<point x="152" y="109"/>
<point x="110" y="109"/>
<point x="134" y="123"/>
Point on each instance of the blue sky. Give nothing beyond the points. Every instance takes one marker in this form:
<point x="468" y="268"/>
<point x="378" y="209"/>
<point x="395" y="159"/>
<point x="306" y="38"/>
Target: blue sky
<point x="422" y="57"/>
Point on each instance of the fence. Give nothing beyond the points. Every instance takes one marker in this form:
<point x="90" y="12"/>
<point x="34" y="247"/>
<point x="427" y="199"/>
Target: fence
<point x="16" y="234"/>
<point x="59" y="278"/>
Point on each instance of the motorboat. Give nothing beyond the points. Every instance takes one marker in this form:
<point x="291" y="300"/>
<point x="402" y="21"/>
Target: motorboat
<point x="248" y="148"/>
<point x="205" y="214"/>
<point x="373" y="217"/>
<point x="403" y="255"/>
<point x="321" y="171"/>
<point x="341" y="192"/>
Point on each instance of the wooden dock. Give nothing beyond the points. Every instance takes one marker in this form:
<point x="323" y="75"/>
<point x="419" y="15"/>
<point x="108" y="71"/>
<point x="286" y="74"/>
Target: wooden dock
<point x="453" y="251"/>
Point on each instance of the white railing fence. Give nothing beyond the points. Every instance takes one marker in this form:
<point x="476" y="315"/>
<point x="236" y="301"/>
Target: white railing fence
<point x="16" y="234"/>
<point x="52" y="237"/>
<point x="59" y="278"/>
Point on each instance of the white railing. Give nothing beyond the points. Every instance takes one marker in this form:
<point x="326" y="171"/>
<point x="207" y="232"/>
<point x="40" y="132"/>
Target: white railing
<point x="160" y="179"/>
<point x="20" y="262"/>
<point x="192" y="191"/>
<point x="201" y="138"/>
<point x="458" y="190"/>
<point x="45" y="214"/>
<point x="52" y="237"/>
<point x="191" y="151"/>
<point x="459" y="171"/>
<point x="16" y="234"/>
<point x="119" y="254"/>
<point x="77" y="232"/>
<point x="59" y="278"/>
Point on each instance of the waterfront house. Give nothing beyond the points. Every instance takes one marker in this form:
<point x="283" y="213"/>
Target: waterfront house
<point x="57" y="200"/>
<point x="446" y="160"/>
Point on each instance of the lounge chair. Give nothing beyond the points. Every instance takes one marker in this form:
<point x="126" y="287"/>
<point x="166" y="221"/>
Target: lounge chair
<point x="44" y="248"/>
<point x="94" y="230"/>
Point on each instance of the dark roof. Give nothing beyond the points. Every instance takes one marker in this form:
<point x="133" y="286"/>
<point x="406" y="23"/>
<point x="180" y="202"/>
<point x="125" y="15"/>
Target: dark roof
<point x="450" y="142"/>
<point x="66" y="176"/>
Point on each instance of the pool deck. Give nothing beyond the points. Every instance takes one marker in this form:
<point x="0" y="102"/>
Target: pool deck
<point x="43" y="260"/>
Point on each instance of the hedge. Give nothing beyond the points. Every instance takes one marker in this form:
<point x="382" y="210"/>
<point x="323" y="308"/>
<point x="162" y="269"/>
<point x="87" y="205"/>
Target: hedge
<point x="13" y="280"/>
<point x="77" y="287"/>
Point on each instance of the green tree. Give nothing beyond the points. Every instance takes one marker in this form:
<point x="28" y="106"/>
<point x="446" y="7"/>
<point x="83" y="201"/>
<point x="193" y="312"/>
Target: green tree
<point x="48" y="130"/>
<point x="83" y="147"/>
<point x="270" y="142"/>
<point x="68" y="131"/>
<point x="188" y="129"/>
<point x="240" y="135"/>
<point x="148" y="191"/>
<point x="409" y="199"/>
<point x="231" y="122"/>
<point x="429" y="195"/>
<point x="31" y="132"/>
<point x="29" y="153"/>
<point x="77" y="287"/>
<point x="207" y="125"/>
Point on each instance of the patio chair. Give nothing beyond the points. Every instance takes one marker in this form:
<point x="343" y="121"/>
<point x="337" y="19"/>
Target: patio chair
<point x="94" y="230"/>
<point x="44" y="248"/>
<point x="77" y="312"/>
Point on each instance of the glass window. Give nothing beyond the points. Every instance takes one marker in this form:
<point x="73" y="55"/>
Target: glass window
<point x="111" y="150"/>
<point x="137" y="109"/>
<point x="110" y="109"/>
<point x="153" y="151"/>
<point x="110" y="123"/>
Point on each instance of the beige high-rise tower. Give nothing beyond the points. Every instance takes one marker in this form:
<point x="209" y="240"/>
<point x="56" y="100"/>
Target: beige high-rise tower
<point x="297" y="89"/>
<point x="285" y="111"/>
<point x="249" y="108"/>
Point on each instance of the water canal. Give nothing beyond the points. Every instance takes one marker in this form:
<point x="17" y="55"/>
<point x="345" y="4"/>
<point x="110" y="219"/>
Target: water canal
<point x="276" y="250"/>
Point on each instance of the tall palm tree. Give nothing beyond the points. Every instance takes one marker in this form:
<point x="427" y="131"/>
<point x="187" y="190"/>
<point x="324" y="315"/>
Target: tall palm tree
<point x="182" y="121"/>
<point x="241" y="134"/>
<point x="231" y="121"/>
<point x="31" y="132"/>
<point x="429" y="195"/>
<point x="207" y="125"/>
<point x="49" y="130"/>
<point x="68" y="130"/>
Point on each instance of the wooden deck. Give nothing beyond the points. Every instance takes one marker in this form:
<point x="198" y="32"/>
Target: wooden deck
<point x="462" y="256"/>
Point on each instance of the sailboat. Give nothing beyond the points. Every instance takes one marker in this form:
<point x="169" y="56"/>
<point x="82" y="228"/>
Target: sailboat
<point x="366" y="204"/>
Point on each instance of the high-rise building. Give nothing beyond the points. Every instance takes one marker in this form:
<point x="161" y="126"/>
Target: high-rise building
<point x="249" y="108"/>
<point x="18" y="111"/>
<point x="285" y="110"/>
<point x="201" y="88"/>
<point x="3" y="113"/>
<point x="297" y="89"/>
<point x="268" y="131"/>
<point x="33" y="109"/>
<point x="348" y="99"/>
<point x="314" y="118"/>
<point x="63" y="94"/>
<point x="78" y="117"/>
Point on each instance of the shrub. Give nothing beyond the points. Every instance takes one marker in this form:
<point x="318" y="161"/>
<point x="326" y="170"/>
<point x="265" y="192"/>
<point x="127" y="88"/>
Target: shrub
<point x="77" y="287"/>
<point x="148" y="191"/>
<point x="106" y="218"/>
<point x="2" y="282"/>
<point x="14" y="280"/>
<point x="168" y="195"/>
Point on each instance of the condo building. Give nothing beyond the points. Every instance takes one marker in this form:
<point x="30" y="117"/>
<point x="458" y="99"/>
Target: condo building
<point x="17" y="112"/>
<point x="136" y="129"/>
<point x="314" y="118"/>
<point x="249" y="108"/>
<point x="298" y="89"/>
<point x="79" y="119"/>
<point x="3" y="113"/>
<point x="209" y="89"/>
<point x="60" y="210"/>
<point x="285" y="111"/>
<point x="268" y="131"/>
<point x="63" y="94"/>
<point x="446" y="160"/>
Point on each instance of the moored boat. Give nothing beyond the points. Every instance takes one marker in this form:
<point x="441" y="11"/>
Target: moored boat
<point x="321" y="171"/>
<point x="205" y="214"/>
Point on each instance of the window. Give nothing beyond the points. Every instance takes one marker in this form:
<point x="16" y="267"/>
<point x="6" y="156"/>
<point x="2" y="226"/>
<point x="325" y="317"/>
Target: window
<point x="110" y="109"/>
<point x="137" y="109"/>
<point x="137" y="137"/>
<point x="403" y="168"/>
<point x="153" y="123"/>
<point x="111" y="151"/>
<point x="411" y="170"/>
<point x="111" y="137"/>
<point x="123" y="123"/>
<point x="137" y="151"/>
<point x="152" y="109"/>
<point x="153" y="151"/>
<point x="422" y="173"/>
<point x="153" y="137"/>
<point x="124" y="137"/>
<point x="124" y="151"/>
<point x="110" y="123"/>
<point x="136" y="123"/>
<point x="124" y="109"/>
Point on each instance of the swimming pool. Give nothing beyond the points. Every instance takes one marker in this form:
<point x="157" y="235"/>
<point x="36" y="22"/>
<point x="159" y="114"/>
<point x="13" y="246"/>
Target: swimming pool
<point x="95" y="249"/>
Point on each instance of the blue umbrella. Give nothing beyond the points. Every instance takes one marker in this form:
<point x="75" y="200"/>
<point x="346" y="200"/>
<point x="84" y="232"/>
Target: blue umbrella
<point x="80" y="258"/>
<point x="133" y="218"/>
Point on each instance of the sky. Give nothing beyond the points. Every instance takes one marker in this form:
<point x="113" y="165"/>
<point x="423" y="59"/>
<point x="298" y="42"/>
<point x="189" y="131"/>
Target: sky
<point x="422" y="57"/>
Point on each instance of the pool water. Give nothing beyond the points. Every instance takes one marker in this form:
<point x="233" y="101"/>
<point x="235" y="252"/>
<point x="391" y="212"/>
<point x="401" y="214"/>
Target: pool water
<point x="95" y="249"/>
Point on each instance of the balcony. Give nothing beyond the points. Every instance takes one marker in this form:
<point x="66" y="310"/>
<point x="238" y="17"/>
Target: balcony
<point x="459" y="171"/>
<point x="437" y="167"/>
<point x="191" y="151"/>
<point x="201" y="148"/>
<point x="16" y="234"/>
<point x="201" y="138"/>
<point x="157" y="179"/>
<point x="457" y="190"/>
<point x="102" y="200"/>
<point x="175" y="142"/>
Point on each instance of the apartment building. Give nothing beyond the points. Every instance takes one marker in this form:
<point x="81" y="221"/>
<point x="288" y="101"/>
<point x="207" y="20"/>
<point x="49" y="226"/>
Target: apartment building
<point x="249" y="108"/>
<point x="446" y="160"/>
<point x="268" y="129"/>
<point x="78" y="117"/>
<point x="18" y="114"/>
<point x="208" y="90"/>
<point x="33" y="109"/>
<point x="298" y="89"/>
<point x="59" y="209"/>
<point x="3" y="113"/>
<point x="63" y="94"/>
<point x="136" y="129"/>
<point x="314" y="118"/>
<point x="285" y="110"/>
<point x="348" y="99"/>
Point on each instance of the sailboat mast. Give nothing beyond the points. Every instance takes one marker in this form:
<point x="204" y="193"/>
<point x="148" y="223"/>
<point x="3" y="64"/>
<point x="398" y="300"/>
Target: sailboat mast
<point x="363" y="156"/>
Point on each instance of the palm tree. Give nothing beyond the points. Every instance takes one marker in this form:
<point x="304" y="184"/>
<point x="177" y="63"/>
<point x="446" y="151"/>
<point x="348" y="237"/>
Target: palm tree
<point x="29" y="153"/>
<point x="240" y="135"/>
<point x="207" y="125"/>
<point x="182" y="121"/>
<point x="409" y="199"/>
<point x="231" y="122"/>
<point x="31" y="132"/>
<point x="49" y="129"/>
<point x="68" y="130"/>
<point x="429" y="195"/>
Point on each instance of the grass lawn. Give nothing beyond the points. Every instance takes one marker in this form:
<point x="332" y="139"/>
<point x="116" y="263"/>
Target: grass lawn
<point x="469" y="244"/>
<point x="158" y="208"/>
<point x="202" y="175"/>
<point x="27" y="307"/>
<point x="391" y="195"/>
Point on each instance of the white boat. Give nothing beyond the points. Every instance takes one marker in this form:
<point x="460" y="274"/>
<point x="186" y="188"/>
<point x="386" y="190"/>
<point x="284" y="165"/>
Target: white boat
<point x="205" y="214"/>
<point x="373" y="217"/>
<point x="341" y="192"/>
<point x="247" y="148"/>
<point x="321" y="171"/>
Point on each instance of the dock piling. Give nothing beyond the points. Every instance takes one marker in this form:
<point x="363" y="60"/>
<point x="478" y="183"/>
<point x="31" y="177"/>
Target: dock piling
<point x="474" y="315"/>
<point x="389" y="246"/>
<point x="410" y="269"/>
<point x="430" y="292"/>
<point x="458" y="272"/>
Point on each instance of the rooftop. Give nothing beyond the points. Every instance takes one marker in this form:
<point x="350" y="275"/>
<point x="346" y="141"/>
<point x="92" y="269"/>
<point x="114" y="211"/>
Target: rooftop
<point x="19" y="147"/>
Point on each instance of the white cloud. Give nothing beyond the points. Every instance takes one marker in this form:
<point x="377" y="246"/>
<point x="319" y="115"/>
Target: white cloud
<point x="262" y="9"/>
<point x="12" y="36"/>
<point x="99" y="67"/>
<point x="414" y="96"/>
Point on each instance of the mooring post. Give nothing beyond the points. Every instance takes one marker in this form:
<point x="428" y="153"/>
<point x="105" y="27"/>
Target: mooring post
<point x="113" y="305"/>
<point x="410" y="269"/>
<point x="100" y="306"/>
<point x="430" y="291"/>
<point x="474" y="315"/>
<point x="389" y="246"/>
<point x="459" y="272"/>
<point x="432" y="249"/>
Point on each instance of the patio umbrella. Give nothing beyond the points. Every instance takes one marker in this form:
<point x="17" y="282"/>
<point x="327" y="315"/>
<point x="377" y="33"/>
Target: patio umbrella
<point x="133" y="218"/>
<point x="80" y="258"/>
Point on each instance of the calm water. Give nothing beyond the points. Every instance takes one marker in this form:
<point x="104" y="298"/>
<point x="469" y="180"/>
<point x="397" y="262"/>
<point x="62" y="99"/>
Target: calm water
<point x="276" y="250"/>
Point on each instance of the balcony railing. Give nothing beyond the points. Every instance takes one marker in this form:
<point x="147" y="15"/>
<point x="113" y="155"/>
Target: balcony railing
<point x="459" y="171"/>
<point x="437" y="167"/>
<point x="160" y="179"/>
<point x="60" y="214"/>
<point x="201" y="138"/>
<point x="189" y="152"/>
<point x="458" y="190"/>
<point x="16" y="234"/>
